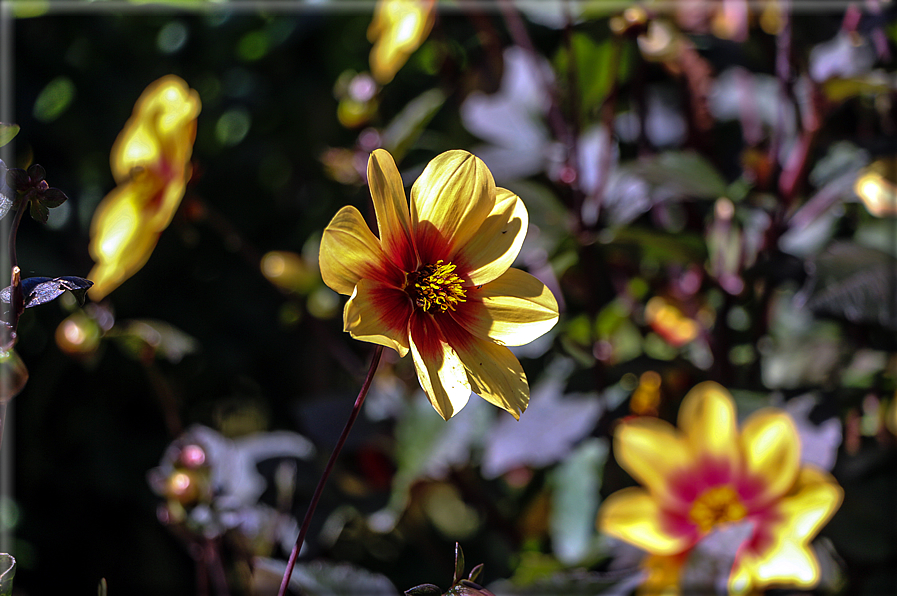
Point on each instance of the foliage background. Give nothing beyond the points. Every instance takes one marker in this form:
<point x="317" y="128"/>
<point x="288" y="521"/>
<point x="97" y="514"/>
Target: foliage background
<point x="88" y="431"/>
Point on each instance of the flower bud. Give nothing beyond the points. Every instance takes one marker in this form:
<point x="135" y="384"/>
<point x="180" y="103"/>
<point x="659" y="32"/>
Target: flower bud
<point x="78" y="335"/>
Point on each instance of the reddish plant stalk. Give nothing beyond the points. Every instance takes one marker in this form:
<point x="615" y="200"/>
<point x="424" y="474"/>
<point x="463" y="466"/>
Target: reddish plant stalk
<point x="329" y="468"/>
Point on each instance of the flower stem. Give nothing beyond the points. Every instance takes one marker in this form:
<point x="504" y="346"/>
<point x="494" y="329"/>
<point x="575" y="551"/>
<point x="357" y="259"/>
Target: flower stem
<point x="323" y="480"/>
<point x="16" y="299"/>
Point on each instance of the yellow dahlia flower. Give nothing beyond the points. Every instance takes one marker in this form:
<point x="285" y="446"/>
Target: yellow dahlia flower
<point x="438" y="281"/>
<point x="399" y="27"/>
<point x="151" y="164"/>
<point x="708" y="473"/>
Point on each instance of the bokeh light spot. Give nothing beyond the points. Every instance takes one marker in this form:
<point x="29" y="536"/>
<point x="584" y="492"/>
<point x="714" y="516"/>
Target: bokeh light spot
<point x="54" y="99"/>
<point x="233" y="126"/>
<point x="172" y="37"/>
<point x="253" y="45"/>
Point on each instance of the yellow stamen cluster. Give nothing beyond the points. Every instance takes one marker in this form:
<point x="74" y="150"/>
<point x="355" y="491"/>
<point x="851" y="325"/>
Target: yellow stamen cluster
<point x="717" y="505"/>
<point x="435" y="287"/>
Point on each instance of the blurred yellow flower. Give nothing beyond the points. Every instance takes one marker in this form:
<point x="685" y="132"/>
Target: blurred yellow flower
<point x="670" y="323"/>
<point x="151" y="164"/>
<point x="707" y="474"/>
<point x="438" y="281"/>
<point x="399" y="27"/>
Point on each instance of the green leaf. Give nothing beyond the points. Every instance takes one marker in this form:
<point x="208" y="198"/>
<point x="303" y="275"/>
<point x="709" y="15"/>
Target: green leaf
<point x="459" y="563"/>
<point x="162" y="339"/>
<point x="475" y="572"/>
<point x="8" y="132"/>
<point x="408" y="125"/>
<point x="594" y="65"/>
<point x="318" y="578"/>
<point x="872" y="84"/>
<point x="574" y="504"/>
<point x="682" y="172"/>
<point x="7" y="572"/>
<point x="427" y="446"/>
<point x="663" y="247"/>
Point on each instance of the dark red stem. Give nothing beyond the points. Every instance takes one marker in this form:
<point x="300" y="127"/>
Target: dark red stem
<point x="323" y="480"/>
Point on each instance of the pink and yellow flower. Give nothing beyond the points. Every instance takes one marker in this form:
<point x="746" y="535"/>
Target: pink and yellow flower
<point x="707" y="474"/>
<point x="151" y="164"/>
<point x="399" y="27"/>
<point x="438" y="281"/>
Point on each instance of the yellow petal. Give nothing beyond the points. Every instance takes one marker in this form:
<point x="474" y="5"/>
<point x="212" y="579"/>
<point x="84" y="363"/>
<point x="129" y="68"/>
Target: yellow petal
<point x="771" y="447"/>
<point x="120" y="243"/>
<point x="493" y="248"/>
<point x="653" y="452"/>
<point x="159" y="213"/>
<point x="788" y="563"/>
<point x="517" y="308"/>
<point x="398" y="28"/>
<point x="136" y="146"/>
<point x="349" y="252"/>
<point x="784" y="556"/>
<point x="163" y="124"/>
<point x="449" y="202"/>
<point x="391" y="206"/>
<point x="707" y="417"/>
<point x="439" y="369"/>
<point x="378" y="314"/>
<point x="810" y="504"/>
<point x="633" y="515"/>
<point x="495" y="375"/>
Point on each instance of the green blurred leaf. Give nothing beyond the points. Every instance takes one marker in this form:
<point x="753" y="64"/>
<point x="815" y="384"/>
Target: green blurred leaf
<point x="803" y="350"/>
<point x="664" y="247"/>
<point x="855" y="282"/>
<point x="7" y="572"/>
<point x="594" y="66"/>
<point x="407" y="126"/>
<point x="575" y="497"/>
<point x="576" y="582"/>
<point x="163" y="340"/>
<point x="318" y="578"/>
<point x="682" y="172"/>
<point x="872" y="84"/>
<point x="546" y="211"/>
<point x="54" y="99"/>
<point x="426" y="447"/>
<point x="8" y="132"/>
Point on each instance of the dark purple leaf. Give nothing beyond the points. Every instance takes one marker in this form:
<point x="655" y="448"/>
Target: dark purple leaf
<point x="39" y="211"/>
<point x="424" y="590"/>
<point x="38" y="290"/>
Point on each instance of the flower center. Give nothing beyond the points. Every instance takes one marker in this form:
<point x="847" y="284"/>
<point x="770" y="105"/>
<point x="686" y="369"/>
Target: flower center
<point x="715" y="506"/>
<point x="435" y="286"/>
